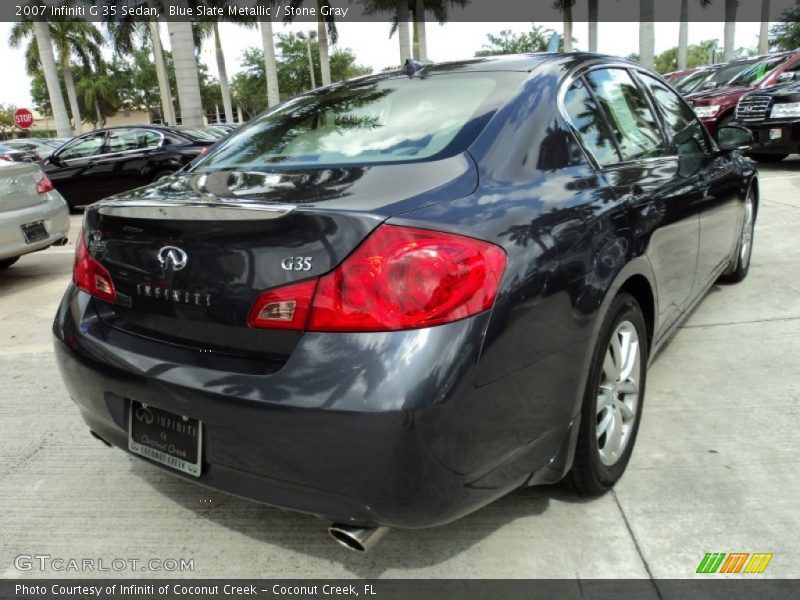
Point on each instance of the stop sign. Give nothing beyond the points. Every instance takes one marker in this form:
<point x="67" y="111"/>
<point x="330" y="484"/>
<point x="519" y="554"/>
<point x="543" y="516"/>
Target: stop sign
<point x="23" y="118"/>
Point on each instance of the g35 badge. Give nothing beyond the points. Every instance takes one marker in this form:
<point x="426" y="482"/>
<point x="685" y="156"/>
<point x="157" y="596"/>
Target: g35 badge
<point x="296" y="263"/>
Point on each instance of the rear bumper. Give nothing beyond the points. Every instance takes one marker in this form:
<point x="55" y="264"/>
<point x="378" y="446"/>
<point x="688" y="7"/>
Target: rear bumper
<point x="53" y="212"/>
<point x="357" y="428"/>
<point x="787" y="143"/>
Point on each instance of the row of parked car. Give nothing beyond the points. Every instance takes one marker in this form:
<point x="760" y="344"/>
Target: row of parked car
<point x="43" y="179"/>
<point x="107" y="161"/>
<point x="760" y="92"/>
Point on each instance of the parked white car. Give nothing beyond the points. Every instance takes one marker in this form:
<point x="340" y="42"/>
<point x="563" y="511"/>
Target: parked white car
<point x="33" y="215"/>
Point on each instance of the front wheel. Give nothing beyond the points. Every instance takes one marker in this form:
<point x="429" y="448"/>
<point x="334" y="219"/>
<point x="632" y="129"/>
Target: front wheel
<point x="612" y="403"/>
<point x="741" y="265"/>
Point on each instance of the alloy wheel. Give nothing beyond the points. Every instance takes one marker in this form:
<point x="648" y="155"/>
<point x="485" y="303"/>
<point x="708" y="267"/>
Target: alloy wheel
<point x="618" y="393"/>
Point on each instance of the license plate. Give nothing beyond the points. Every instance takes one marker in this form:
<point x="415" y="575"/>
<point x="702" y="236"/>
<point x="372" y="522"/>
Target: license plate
<point x="169" y="439"/>
<point x="34" y="232"/>
<point x="775" y="133"/>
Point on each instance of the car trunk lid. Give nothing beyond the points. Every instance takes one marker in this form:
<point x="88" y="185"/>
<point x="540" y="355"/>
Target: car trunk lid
<point x="190" y="255"/>
<point x="18" y="186"/>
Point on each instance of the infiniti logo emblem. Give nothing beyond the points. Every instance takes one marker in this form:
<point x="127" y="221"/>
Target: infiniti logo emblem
<point x="172" y="257"/>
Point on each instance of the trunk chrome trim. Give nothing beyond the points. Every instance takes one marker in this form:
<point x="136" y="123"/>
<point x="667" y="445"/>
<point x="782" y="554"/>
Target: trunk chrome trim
<point x="196" y="211"/>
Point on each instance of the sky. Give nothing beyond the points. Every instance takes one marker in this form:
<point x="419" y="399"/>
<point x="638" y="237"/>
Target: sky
<point x="373" y="48"/>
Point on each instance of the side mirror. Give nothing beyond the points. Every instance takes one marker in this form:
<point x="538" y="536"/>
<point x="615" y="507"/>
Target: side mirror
<point x="734" y="137"/>
<point x="788" y="76"/>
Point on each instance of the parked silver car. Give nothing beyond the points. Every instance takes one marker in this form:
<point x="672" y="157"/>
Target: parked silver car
<point x="33" y="215"/>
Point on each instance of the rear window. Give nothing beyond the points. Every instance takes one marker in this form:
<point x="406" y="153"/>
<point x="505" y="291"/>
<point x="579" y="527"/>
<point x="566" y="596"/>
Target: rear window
<point x="389" y="120"/>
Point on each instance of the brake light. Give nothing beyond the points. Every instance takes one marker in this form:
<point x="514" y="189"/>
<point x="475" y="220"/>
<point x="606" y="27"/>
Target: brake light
<point x="90" y="276"/>
<point x="6" y="158"/>
<point x="399" y="278"/>
<point x="203" y="150"/>
<point x="44" y="185"/>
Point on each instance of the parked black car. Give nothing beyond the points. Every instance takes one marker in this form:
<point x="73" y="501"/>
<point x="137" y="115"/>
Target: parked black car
<point x="773" y="116"/>
<point x="109" y="161"/>
<point x="386" y="308"/>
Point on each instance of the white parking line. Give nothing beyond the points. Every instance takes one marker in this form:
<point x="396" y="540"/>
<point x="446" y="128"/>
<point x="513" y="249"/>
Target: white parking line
<point x="779" y="177"/>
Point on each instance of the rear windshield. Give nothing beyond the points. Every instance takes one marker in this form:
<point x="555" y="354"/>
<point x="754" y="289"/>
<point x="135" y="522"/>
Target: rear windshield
<point x="374" y="121"/>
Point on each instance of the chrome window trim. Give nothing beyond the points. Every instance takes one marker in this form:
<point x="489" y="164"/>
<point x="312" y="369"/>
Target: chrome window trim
<point x="565" y="85"/>
<point x="106" y="133"/>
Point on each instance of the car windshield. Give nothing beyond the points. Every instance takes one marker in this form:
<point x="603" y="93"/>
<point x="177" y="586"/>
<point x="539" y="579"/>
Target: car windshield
<point x="726" y="74"/>
<point x="371" y="121"/>
<point x="755" y="73"/>
<point x="689" y="82"/>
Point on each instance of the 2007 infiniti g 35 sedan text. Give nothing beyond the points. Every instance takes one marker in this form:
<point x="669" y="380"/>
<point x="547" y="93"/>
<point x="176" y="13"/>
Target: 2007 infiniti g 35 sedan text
<point x="390" y="301"/>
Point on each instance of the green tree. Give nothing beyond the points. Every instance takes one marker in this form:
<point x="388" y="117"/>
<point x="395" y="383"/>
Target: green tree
<point x="128" y="35"/>
<point x="98" y="93"/>
<point x="77" y="38"/>
<point x="7" y="123"/>
<point x="786" y="34"/>
<point x="696" y="55"/>
<point x="506" y="42"/>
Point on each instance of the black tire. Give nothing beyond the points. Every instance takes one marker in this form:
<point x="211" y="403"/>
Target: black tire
<point x="7" y="262"/>
<point x="767" y="158"/>
<point x="590" y="474"/>
<point x="740" y="265"/>
<point x="161" y="174"/>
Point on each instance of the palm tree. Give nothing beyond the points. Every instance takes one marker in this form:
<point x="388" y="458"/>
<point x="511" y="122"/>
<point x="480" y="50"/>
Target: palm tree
<point x="647" y="39"/>
<point x="440" y="10"/>
<point x="683" y="32"/>
<point x="69" y="37"/>
<point x="182" y="43"/>
<point x="41" y="33"/>
<point x="96" y="88"/>
<point x="763" y="33"/>
<point x="401" y="14"/>
<point x="731" y="7"/>
<point x="565" y="6"/>
<point x="122" y="35"/>
<point x="593" y="15"/>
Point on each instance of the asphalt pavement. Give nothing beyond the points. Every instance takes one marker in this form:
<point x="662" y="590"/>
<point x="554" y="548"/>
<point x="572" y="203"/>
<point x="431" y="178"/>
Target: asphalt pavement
<point x="716" y="467"/>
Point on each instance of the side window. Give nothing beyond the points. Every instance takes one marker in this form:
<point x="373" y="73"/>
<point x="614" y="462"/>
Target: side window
<point x="684" y="131"/>
<point x="586" y="117"/>
<point x="83" y="147"/>
<point x="632" y="122"/>
<point x="121" y="140"/>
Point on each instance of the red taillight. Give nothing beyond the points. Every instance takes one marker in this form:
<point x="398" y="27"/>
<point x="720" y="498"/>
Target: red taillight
<point x="6" y="157"/>
<point x="90" y="276"/>
<point x="203" y="150"/>
<point x="44" y="185"/>
<point x="399" y="278"/>
<point x="286" y="307"/>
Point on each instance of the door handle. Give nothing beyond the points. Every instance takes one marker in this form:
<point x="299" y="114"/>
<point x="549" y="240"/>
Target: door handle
<point x="638" y="197"/>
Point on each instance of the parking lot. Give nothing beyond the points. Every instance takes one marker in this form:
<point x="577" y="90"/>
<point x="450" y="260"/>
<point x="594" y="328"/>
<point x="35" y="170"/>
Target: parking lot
<point x="716" y="467"/>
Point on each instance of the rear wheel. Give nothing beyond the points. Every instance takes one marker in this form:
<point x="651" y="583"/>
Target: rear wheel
<point x="613" y="399"/>
<point x="767" y="158"/>
<point x="741" y="265"/>
<point x="7" y="262"/>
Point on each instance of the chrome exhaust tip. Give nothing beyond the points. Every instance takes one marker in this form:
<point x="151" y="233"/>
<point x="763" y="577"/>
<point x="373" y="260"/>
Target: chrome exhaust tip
<point x="357" y="539"/>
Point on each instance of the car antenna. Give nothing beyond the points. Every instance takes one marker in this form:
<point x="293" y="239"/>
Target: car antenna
<point x="410" y="67"/>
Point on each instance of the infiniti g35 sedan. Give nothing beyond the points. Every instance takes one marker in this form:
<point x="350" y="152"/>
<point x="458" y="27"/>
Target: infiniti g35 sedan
<point x="390" y="301"/>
